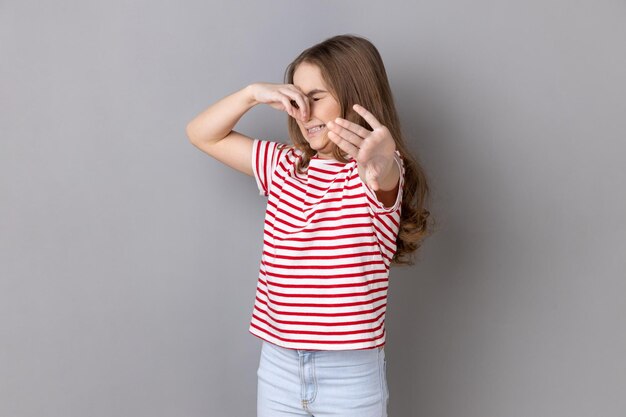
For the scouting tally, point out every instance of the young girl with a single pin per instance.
(345, 201)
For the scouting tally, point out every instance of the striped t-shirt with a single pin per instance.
(327, 247)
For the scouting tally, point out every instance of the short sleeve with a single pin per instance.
(375, 204)
(265, 157)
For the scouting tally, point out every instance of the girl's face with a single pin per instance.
(323, 108)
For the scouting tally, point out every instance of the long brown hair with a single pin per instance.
(353, 71)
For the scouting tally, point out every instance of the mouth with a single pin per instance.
(315, 130)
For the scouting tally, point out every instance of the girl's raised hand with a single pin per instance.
(282, 97)
(373, 150)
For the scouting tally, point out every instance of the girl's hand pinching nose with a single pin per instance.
(302, 112)
(284, 97)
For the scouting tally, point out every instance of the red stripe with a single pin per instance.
(321, 257)
(311, 323)
(316, 314)
(338, 295)
(318, 276)
(323, 219)
(259, 144)
(314, 213)
(295, 197)
(293, 215)
(298, 331)
(319, 229)
(339, 189)
(312, 266)
(342, 207)
(266, 165)
(340, 218)
(345, 169)
(334, 247)
(338, 199)
(385, 225)
(322, 305)
(294, 207)
(383, 234)
(336, 237)
(344, 285)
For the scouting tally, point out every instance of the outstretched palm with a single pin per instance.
(373, 150)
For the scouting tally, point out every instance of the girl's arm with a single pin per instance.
(211, 131)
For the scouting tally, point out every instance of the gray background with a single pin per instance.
(128, 258)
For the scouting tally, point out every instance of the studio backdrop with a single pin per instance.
(129, 259)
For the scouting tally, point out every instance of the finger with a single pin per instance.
(292, 96)
(346, 134)
(305, 99)
(297, 99)
(302, 111)
(355, 127)
(369, 117)
(346, 146)
(302, 108)
(287, 104)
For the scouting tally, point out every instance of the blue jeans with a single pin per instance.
(320, 383)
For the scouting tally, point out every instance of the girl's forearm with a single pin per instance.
(219, 119)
